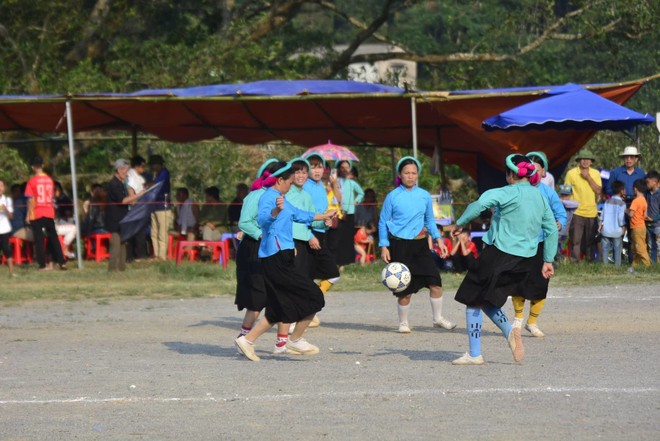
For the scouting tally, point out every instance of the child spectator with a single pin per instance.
(613, 223)
(362, 239)
(653, 214)
(637, 213)
(463, 252)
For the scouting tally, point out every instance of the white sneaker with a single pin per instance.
(444, 324)
(515, 343)
(302, 347)
(315, 323)
(534, 330)
(517, 323)
(246, 348)
(278, 350)
(404, 328)
(468, 360)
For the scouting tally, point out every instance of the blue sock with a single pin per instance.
(499, 318)
(473, 319)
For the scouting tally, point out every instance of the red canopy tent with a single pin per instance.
(307, 113)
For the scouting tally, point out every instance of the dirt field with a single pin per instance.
(166, 370)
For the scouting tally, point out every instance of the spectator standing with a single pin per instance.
(136, 248)
(19, 228)
(586, 184)
(40, 190)
(627, 173)
(161, 218)
(613, 224)
(6, 214)
(351, 195)
(653, 215)
(638, 214)
(118, 198)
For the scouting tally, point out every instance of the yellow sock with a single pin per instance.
(518, 306)
(325, 286)
(535, 310)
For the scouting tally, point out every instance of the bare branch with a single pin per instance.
(345, 57)
(355, 22)
(548, 34)
(97, 17)
(280, 14)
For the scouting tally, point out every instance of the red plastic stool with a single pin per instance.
(101, 246)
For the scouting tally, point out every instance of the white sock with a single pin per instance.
(436, 308)
(403, 312)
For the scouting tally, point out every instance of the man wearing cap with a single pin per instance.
(41, 215)
(628, 173)
(117, 197)
(161, 217)
(586, 185)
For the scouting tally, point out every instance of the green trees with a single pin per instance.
(125, 45)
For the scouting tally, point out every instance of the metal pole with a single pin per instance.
(74, 184)
(413, 112)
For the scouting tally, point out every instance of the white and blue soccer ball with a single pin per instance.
(396, 277)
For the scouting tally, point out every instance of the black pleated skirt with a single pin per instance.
(290, 294)
(496, 276)
(416, 255)
(250, 287)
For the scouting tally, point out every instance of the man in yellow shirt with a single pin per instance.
(587, 185)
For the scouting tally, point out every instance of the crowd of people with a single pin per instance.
(302, 222)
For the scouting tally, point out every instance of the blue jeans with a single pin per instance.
(612, 243)
(654, 242)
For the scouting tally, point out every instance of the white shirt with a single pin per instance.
(549, 180)
(5, 224)
(135, 181)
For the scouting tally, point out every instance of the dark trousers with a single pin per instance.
(581, 234)
(39, 227)
(136, 247)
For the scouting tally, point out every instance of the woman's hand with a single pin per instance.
(385, 254)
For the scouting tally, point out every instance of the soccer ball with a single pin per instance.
(396, 277)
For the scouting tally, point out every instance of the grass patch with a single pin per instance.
(194, 280)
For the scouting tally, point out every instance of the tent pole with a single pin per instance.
(413, 112)
(74, 184)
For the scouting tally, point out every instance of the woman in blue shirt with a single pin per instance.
(291, 297)
(405, 220)
(521, 212)
(250, 288)
(536, 286)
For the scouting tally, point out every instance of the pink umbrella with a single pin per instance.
(332, 152)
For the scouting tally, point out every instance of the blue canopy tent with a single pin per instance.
(568, 107)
